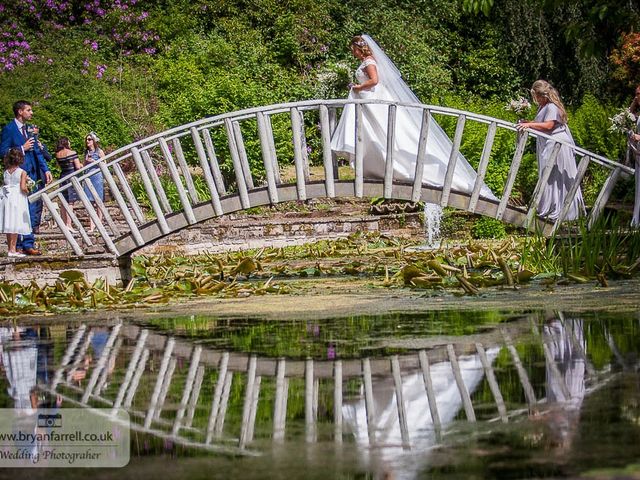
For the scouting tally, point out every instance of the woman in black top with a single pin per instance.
(69, 162)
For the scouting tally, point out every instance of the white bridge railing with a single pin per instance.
(183, 176)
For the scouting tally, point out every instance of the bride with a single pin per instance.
(379, 79)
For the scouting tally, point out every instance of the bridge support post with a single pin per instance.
(124, 266)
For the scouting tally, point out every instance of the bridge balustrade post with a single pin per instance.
(184, 167)
(151, 194)
(422, 155)
(213, 162)
(482, 166)
(155, 179)
(208, 176)
(327, 155)
(298, 157)
(267, 159)
(571, 194)
(513, 172)
(603, 196)
(453, 160)
(359, 162)
(237, 165)
(391, 138)
(542, 184)
(175, 176)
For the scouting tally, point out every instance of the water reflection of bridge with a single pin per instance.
(168, 382)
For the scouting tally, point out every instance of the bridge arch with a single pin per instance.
(184, 163)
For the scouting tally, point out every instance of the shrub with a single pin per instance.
(487, 227)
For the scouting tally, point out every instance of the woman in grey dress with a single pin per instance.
(552, 120)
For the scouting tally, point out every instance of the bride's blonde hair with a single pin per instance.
(361, 44)
(542, 88)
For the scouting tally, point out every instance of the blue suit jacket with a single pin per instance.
(35, 163)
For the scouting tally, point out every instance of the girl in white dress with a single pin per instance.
(552, 120)
(14, 206)
(379, 79)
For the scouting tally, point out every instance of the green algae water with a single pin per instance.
(473, 394)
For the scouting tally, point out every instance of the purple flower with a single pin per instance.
(94, 45)
(50, 61)
(331, 351)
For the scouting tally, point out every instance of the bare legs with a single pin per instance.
(92, 227)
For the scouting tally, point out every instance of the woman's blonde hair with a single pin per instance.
(543, 89)
(361, 44)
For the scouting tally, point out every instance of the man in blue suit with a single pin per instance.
(18, 133)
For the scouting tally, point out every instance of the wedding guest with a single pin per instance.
(14, 206)
(552, 120)
(634, 143)
(18, 133)
(69, 162)
(93, 154)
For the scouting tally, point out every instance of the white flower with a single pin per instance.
(623, 122)
(519, 106)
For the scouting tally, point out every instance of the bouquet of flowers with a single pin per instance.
(623, 122)
(520, 106)
(31, 184)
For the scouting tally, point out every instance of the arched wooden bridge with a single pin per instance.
(189, 162)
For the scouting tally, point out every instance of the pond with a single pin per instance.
(435, 394)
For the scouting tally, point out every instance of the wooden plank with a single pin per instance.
(213, 162)
(267, 160)
(151, 194)
(453, 160)
(61, 225)
(124, 208)
(155, 180)
(68, 354)
(327, 157)
(186, 173)
(421, 156)
(136, 379)
(309, 418)
(195, 394)
(279, 405)
(368, 400)
(513, 172)
(254, 409)
(272, 148)
(80, 356)
(94, 217)
(522, 373)
(237, 165)
(126, 188)
(208, 176)
(248, 400)
(391, 138)
(541, 185)
(102, 208)
(462, 388)
(603, 196)
(217, 394)
(573, 189)
(177, 180)
(337, 401)
(242, 153)
(402, 413)
(428, 385)
(164, 365)
(102, 361)
(482, 166)
(223, 404)
(298, 158)
(493, 383)
(102, 381)
(166, 383)
(359, 161)
(74, 219)
(191, 377)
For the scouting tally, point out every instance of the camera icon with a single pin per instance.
(50, 421)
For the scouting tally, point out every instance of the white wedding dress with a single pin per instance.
(391, 87)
